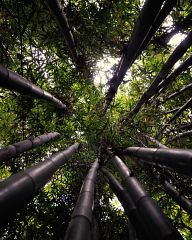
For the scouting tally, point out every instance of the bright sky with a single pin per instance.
(103, 67)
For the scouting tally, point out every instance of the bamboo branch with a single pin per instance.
(10, 151)
(175, 195)
(183, 67)
(15, 82)
(172, 110)
(153, 140)
(185, 126)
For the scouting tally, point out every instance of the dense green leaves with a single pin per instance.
(32, 45)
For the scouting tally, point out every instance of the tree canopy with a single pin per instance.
(141, 97)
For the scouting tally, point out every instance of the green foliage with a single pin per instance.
(31, 44)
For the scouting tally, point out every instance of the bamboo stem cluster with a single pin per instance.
(156, 225)
(151, 17)
(20, 188)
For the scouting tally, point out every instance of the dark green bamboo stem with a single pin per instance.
(128, 205)
(15, 82)
(172, 110)
(178, 92)
(59, 16)
(17, 190)
(170, 189)
(157, 223)
(153, 140)
(187, 105)
(180, 136)
(10, 151)
(165, 10)
(179, 160)
(141, 29)
(182, 68)
(81, 220)
(174, 194)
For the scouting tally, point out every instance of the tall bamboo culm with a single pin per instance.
(81, 220)
(10, 151)
(17, 190)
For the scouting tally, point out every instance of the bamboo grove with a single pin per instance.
(82, 159)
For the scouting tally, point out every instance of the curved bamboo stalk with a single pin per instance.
(20, 188)
(174, 57)
(10, 151)
(15, 82)
(154, 219)
(178, 92)
(181, 135)
(153, 140)
(142, 27)
(177, 197)
(182, 67)
(179, 112)
(170, 190)
(81, 220)
(128, 205)
(165, 10)
(59, 16)
(179, 160)
(172, 110)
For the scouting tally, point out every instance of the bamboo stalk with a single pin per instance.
(15, 82)
(10, 151)
(178, 92)
(179, 160)
(154, 219)
(59, 16)
(155, 141)
(181, 135)
(183, 67)
(179, 112)
(128, 205)
(17, 190)
(177, 197)
(81, 220)
(170, 190)
(172, 110)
